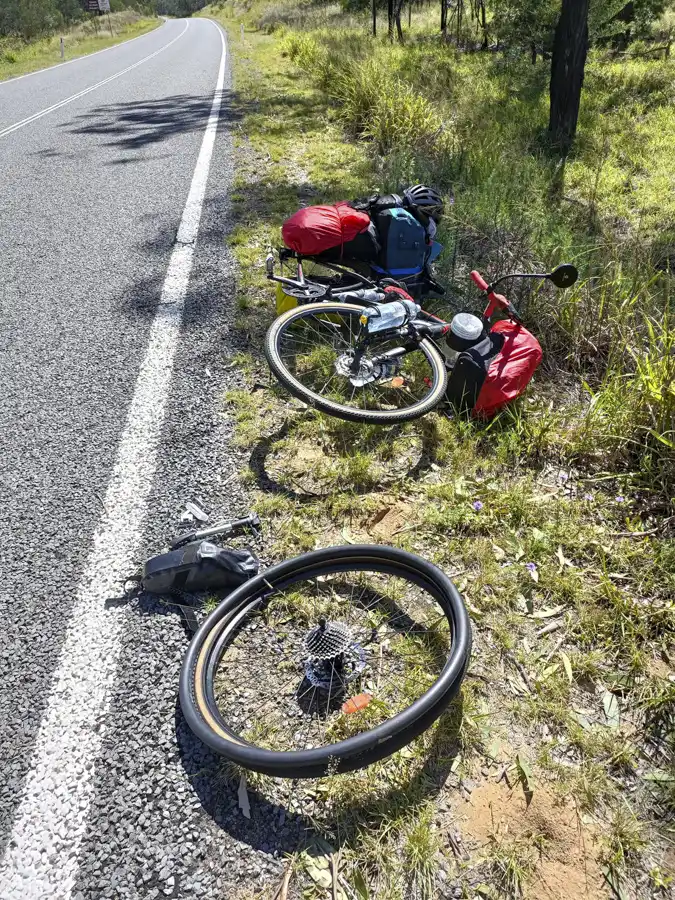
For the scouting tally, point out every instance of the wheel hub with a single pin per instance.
(369, 371)
(333, 658)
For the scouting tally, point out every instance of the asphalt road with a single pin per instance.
(91, 196)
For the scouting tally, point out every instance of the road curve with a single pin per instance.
(98, 159)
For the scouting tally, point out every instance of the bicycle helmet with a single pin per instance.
(424, 202)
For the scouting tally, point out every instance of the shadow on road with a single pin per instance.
(134, 125)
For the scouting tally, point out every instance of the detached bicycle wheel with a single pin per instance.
(311, 350)
(327, 662)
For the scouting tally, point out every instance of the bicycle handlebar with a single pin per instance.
(494, 300)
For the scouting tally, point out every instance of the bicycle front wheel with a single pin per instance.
(311, 350)
(328, 662)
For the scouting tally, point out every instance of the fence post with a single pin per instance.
(62, 49)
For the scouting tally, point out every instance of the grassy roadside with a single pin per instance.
(19, 58)
(552, 776)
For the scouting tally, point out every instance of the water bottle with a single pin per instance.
(389, 315)
(465, 331)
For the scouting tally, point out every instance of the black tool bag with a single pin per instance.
(198, 566)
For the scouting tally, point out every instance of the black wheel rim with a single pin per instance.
(357, 742)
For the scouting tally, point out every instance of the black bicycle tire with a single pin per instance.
(366, 747)
(335, 409)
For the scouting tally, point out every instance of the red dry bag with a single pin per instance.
(337, 231)
(510, 370)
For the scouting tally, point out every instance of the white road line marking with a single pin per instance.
(44, 112)
(75, 59)
(41, 860)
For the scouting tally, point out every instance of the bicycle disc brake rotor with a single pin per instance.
(308, 293)
(369, 371)
(334, 658)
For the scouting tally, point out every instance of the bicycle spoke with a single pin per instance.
(385, 661)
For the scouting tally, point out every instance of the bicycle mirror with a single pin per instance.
(563, 276)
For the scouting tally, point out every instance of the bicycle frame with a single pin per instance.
(301, 282)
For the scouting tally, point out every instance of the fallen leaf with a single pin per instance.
(581, 719)
(568, 666)
(539, 535)
(659, 777)
(611, 705)
(347, 537)
(522, 603)
(534, 575)
(548, 613)
(242, 794)
(318, 872)
(484, 890)
(460, 488)
(549, 670)
(498, 552)
(519, 687)
(564, 561)
(455, 763)
(494, 751)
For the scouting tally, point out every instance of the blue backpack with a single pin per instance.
(404, 244)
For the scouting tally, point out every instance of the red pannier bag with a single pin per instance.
(510, 370)
(326, 230)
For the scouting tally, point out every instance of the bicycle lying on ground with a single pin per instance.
(340, 356)
(327, 662)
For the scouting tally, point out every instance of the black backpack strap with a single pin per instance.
(364, 204)
(189, 617)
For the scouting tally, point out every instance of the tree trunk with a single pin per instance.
(398, 9)
(570, 47)
(483, 25)
(444, 18)
(390, 18)
(374, 18)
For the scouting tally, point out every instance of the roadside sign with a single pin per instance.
(98, 6)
